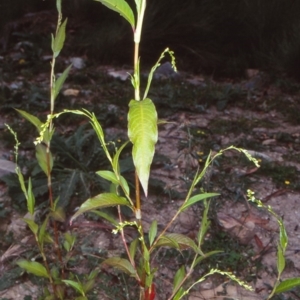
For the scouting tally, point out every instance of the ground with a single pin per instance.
(258, 113)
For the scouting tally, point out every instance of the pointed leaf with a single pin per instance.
(180, 274)
(125, 185)
(115, 161)
(204, 224)
(287, 284)
(280, 259)
(42, 231)
(179, 294)
(32, 225)
(22, 182)
(30, 197)
(152, 232)
(106, 217)
(87, 286)
(32, 119)
(133, 247)
(108, 175)
(75, 285)
(283, 238)
(100, 201)
(58, 6)
(42, 157)
(172, 239)
(33, 267)
(142, 132)
(196, 199)
(200, 258)
(59, 39)
(61, 80)
(122, 8)
(58, 214)
(122, 264)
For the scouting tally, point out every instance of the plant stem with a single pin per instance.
(138, 213)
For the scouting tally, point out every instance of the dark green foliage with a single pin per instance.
(219, 37)
(77, 158)
(8, 279)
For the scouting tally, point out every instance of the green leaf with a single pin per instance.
(58, 6)
(32, 119)
(152, 232)
(179, 294)
(108, 175)
(125, 185)
(32, 225)
(196, 199)
(115, 161)
(61, 80)
(22, 182)
(42, 157)
(122, 264)
(87, 286)
(204, 224)
(280, 259)
(42, 232)
(122, 8)
(30, 197)
(180, 274)
(283, 238)
(59, 39)
(133, 247)
(142, 132)
(100, 201)
(173, 239)
(75, 285)
(58, 214)
(287, 284)
(33, 267)
(200, 258)
(106, 217)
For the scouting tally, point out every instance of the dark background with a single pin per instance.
(215, 37)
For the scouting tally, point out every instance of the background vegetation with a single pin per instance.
(216, 37)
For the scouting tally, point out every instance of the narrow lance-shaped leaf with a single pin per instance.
(283, 238)
(32, 225)
(58, 6)
(100, 201)
(178, 278)
(37, 123)
(76, 285)
(122, 264)
(206, 255)
(121, 7)
(196, 199)
(61, 80)
(108, 175)
(280, 259)
(142, 132)
(44, 159)
(32, 119)
(152, 232)
(115, 161)
(133, 247)
(59, 39)
(204, 224)
(287, 285)
(30, 197)
(183, 242)
(33, 267)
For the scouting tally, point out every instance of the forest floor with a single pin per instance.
(257, 113)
